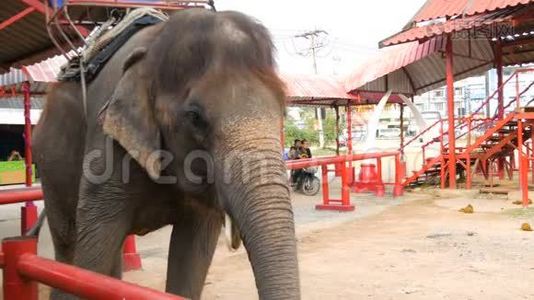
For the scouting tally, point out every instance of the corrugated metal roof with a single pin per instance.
(502, 17)
(434, 9)
(37, 102)
(313, 87)
(414, 68)
(39, 75)
(47, 70)
(318, 90)
(26, 40)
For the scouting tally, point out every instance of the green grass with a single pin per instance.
(11, 165)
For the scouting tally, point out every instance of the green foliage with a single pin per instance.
(308, 132)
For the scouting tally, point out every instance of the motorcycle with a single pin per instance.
(307, 182)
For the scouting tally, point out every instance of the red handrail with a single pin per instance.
(420, 134)
(81, 282)
(484, 103)
(20, 195)
(23, 269)
(312, 162)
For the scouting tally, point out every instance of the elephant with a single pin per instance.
(180, 127)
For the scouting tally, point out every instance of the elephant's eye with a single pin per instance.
(195, 116)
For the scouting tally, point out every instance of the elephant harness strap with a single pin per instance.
(103, 43)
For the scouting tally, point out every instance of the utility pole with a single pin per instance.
(315, 46)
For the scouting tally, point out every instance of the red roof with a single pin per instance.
(434, 9)
(388, 60)
(308, 87)
(451, 26)
(327, 91)
(412, 68)
(45, 71)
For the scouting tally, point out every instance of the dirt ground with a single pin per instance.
(422, 248)
(415, 247)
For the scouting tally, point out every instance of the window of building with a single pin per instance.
(438, 93)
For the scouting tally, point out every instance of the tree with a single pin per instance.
(309, 132)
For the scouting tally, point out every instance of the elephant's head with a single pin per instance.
(206, 91)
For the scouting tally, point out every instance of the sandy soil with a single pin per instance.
(421, 249)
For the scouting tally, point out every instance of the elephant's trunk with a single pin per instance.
(257, 197)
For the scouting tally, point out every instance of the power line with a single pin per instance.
(318, 41)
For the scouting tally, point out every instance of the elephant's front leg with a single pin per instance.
(193, 243)
(103, 221)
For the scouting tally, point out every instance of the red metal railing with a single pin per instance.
(485, 103)
(23, 269)
(132, 260)
(343, 204)
(467, 122)
(20, 195)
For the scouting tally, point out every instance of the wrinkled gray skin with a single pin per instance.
(202, 80)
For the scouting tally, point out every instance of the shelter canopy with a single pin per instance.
(414, 68)
(434, 9)
(412, 61)
(23, 24)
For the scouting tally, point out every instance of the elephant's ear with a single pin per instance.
(129, 117)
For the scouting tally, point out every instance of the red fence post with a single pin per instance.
(380, 189)
(16, 287)
(399, 174)
(345, 188)
(131, 259)
(28, 217)
(324, 181)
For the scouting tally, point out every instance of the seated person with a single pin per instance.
(14, 155)
(292, 152)
(306, 152)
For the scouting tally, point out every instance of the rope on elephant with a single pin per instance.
(108, 32)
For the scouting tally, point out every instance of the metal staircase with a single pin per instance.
(487, 141)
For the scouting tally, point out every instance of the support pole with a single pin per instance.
(336, 109)
(442, 160)
(468, 179)
(402, 128)
(523, 164)
(349, 143)
(349, 129)
(29, 210)
(27, 133)
(450, 112)
(15, 286)
(499, 69)
(531, 157)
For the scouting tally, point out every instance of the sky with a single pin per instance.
(354, 29)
